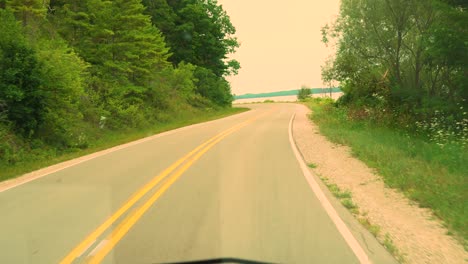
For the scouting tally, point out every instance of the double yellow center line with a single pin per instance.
(180, 166)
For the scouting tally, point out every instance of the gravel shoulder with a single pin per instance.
(415, 231)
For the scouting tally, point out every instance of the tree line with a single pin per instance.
(70, 67)
(402, 61)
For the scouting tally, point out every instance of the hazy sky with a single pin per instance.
(281, 46)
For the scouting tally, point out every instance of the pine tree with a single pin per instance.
(71, 19)
(116, 37)
(122, 43)
(28, 10)
(136, 42)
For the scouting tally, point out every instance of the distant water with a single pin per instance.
(289, 98)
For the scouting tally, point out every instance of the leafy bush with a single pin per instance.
(215, 88)
(304, 93)
(62, 74)
(20, 78)
(442, 128)
(182, 80)
(432, 175)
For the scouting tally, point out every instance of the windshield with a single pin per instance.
(223, 131)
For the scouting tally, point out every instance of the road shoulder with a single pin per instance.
(418, 236)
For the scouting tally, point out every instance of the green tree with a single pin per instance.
(182, 81)
(213, 87)
(408, 56)
(20, 78)
(447, 52)
(204, 36)
(199, 33)
(72, 20)
(304, 93)
(115, 37)
(124, 49)
(123, 43)
(28, 10)
(63, 76)
(162, 16)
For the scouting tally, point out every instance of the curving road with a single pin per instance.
(230, 188)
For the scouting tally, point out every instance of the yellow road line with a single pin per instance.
(131, 220)
(91, 238)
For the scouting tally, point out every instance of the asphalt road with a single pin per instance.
(230, 188)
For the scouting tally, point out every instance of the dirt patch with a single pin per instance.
(418, 235)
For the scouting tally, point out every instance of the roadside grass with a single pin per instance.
(390, 246)
(312, 165)
(346, 199)
(433, 176)
(40, 158)
(374, 229)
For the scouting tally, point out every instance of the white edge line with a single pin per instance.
(30, 176)
(340, 225)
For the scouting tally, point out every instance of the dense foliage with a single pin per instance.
(70, 70)
(435, 177)
(402, 61)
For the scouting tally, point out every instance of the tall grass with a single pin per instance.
(435, 176)
(29, 157)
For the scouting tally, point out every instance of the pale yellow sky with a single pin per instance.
(281, 46)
